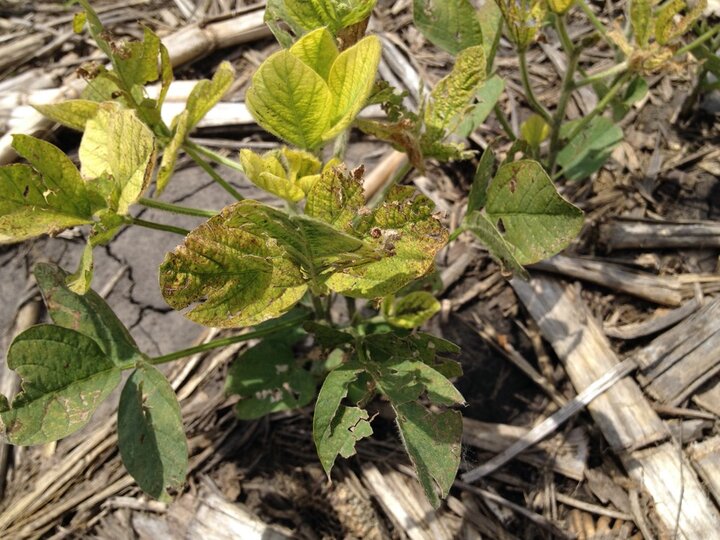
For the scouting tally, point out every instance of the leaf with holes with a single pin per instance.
(65, 376)
(151, 437)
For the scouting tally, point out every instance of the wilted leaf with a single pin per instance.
(337, 427)
(151, 437)
(411, 310)
(117, 155)
(537, 221)
(269, 378)
(65, 376)
(88, 314)
(207, 93)
(73, 113)
(589, 149)
(487, 96)
(452, 25)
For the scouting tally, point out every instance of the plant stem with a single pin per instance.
(529, 94)
(197, 158)
(318, 307)
(600, 107)
(699, 41)
(457, 232)
(158, 226)
(563, 35)
(615, 70)
(559, 116)
(214, 156)
(507, 128)
(595, 21)
(176, 209)
(224, 342)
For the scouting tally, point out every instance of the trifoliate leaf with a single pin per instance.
(151, 437)
(588, 151)
(207, 93)
(117, 155)
(452, 25)
(65, 376)
(537, 221)
(269, 378)
(73, 113)
(411, 310)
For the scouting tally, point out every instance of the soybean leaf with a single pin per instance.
(86, 313)
(286, 173)
(136, 62)
(487, 96)
(411, 310)
(337, 427)
(537, 221)
(432, 441)
(481, 180)
(453, 94)
(45, 198)
(452, 25)
(151, 437)
(588, 151)
(269, 378)
(336, 198)
(317, 50)
(170, 153)
(80, 280)
(207, 93)
(534, 130)
(350, 82)
(491, 20)
(492, 238)
(290, 100)
(65, 375)
(327, 336)
(303, 15)
(73, 113)
(641, 18)
(117, 155)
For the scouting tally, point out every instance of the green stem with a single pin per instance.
(176, 209)
(214, 156)
(699, 41)
(615, 70)
(507, 128)
(204, 165)
(224, 342)
(318, 307)
(529, 94)
(563, 35)
(457, 232)
(559, 116)
(341, 144)
(600, 107)
(595, 21)
(158, 226)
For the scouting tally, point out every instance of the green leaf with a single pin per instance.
(170, 154)
(487, 96)
(269, 378)
(481, 180)
(117, 154)
(641, 18)
(284, 172)
(452, 25)
(206, 94)
(433, 443)
(327, 336)
(151, 437)
(136, 62)
(305, 15)
(350, 83)
(317, 50)
(411, 310)
(73, 113)
(453, 94)
(44, 199)
(491, 22)
(290, 100)
(87, 314)
(65, 376)
(534, 130)
(537, 221)
(588, 151)
(492, 238)
(337, 427)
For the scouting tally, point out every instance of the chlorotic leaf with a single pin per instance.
(537, 221)
(560, 6)
(80, 280)
(117, 155)
(317, 50)
(486, 96)
(73, 113)
(336, 198)
(65, 376)
(290, 100)
(281, 172)
(170, 154)
(350, 83)
(207, 93)
(337, 427)
(534, 130)
(87, 314)
(269, 378)
(151, 437)
(453, 94)
(452, 25)
(588, 151)
(433, 443)
(411, 310)
(136, 62)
